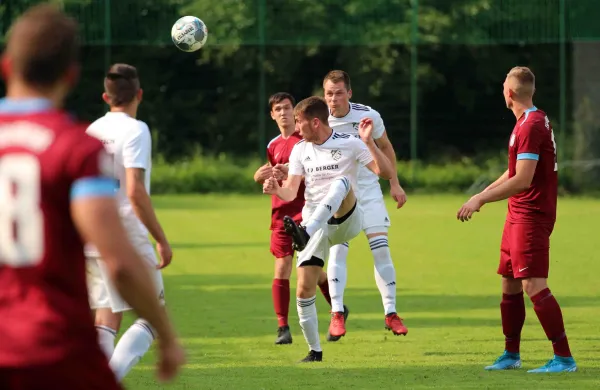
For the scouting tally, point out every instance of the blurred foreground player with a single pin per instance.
(278, 156)
(54, 194)
(530, 184)
(329, 163)
(129, 144)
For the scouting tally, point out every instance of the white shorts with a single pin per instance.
(337, 231)
(102, 294)
(376, 218)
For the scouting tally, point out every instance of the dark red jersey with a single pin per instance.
(278, 152)
(533, 139)
(46, 159)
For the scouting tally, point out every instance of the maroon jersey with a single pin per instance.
(533, 139)
(278, 152)
(44, 310)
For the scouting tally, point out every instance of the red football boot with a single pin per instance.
(394, 323)
(337, 326)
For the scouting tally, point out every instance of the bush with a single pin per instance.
(224, 175)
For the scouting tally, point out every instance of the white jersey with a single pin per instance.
(128, 142)
(349, 125)
(341, 155)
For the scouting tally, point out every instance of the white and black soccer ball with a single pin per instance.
(189, 34)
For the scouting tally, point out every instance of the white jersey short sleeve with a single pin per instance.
(137, 148)
(349, 125)
(295, 163)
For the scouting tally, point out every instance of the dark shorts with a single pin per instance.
(525, 250)
(281, 243)
(90, 372)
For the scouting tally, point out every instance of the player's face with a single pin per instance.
(337, 97)
(283, 113)
(306, 128)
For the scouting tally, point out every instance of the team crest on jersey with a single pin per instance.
(336, 154)
(512, 140)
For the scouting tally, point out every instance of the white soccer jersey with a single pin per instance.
(349, 125)
(340, 155)
(129, 143)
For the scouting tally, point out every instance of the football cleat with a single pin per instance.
(299, 235)
(394, 323)
(557, 364)
(313, 356)
(330, 337)
(283, 335)
(506, 361)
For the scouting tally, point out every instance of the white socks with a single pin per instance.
(329, 205)
(385, 274)
(134, 343)
(106, 339)
(307, 313)
(337, 273)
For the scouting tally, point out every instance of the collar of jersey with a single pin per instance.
(24, 106)
(532, 109)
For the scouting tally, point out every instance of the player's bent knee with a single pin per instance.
(105, 317)
(308, 277)
(283, 267)
(511, 286)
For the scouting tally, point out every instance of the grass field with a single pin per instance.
(219, 294)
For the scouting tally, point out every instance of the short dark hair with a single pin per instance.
(42, 44)
(336, 76)
(279, 97)
(313, 107)
(121, 84)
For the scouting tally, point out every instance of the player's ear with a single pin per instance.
(272, 114)
(140, 95)
(349, 94)
(106, 98)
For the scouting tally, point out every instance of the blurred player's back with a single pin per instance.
(43, 289)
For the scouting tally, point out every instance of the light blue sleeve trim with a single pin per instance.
(528, 156)
(93, 187)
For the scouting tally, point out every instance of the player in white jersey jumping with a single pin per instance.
(329, 163)
(128, 141)
(345, 118)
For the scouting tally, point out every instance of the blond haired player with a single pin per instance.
(345, 117)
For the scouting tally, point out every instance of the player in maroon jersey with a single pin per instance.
(530, 185)
(54, 194)
(278, 155)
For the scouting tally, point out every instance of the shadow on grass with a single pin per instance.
(220, 306)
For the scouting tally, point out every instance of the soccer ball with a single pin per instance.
(189, 33)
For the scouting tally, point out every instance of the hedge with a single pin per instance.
(224, 175)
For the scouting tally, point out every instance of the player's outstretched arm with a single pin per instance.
(98, 222)
(142, 206)
(263, 173)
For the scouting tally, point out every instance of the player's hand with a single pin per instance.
(398, 195)
(468, 209)
(171, 357)
(270, 186)
(264, 172)
(165, 254)
(365, 129)
(280, 171)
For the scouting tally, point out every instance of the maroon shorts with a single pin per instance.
(281, 243)
(90, 372)
(525, 250)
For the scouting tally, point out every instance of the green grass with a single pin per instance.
(219, 293)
